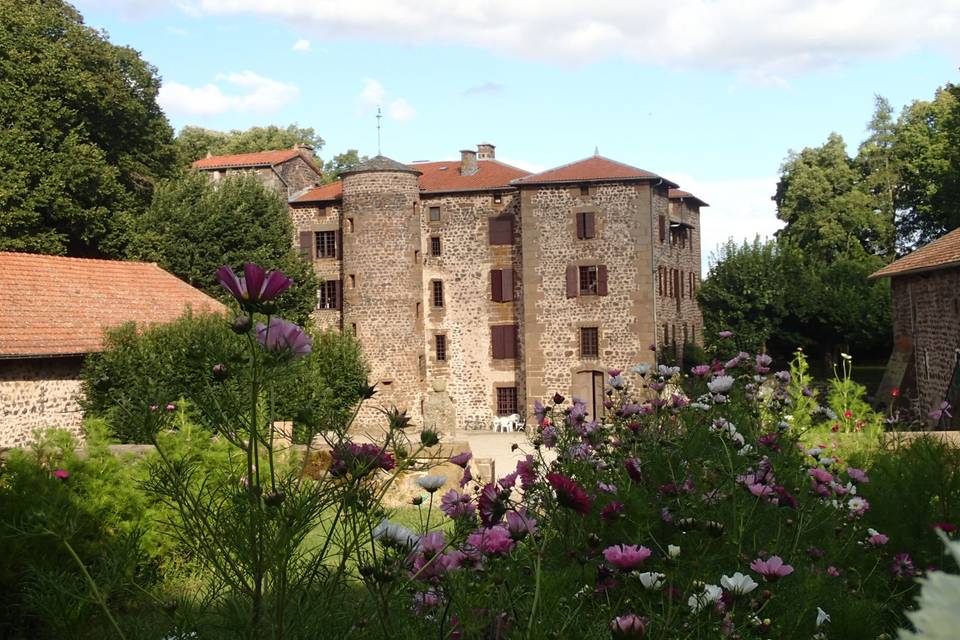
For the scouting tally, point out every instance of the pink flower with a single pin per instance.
(760, 490)
(633, 469)
(423, 601)
(491, 505)
(526, 471)
(282, 336)
(626, 557)
(493, 541)
(520, 524)
(942, 410)
(61, 474)
(359, 460)
(877, 539)
(772, 569)
(628, 627)
(857, 475)
(701, 370)
(467, 477)
(431, 544)
(833, 572)
(612, 511)
(820, 475)
(462, 459)
(569, 493)
(457, 505)
(902, 566)
(255, 285)
(726, 333)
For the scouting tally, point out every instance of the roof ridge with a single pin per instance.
(79, 258)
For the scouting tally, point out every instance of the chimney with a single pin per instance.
(303, 146)
(485, 151)
(468, 162)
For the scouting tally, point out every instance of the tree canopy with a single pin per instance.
(193, 227)
(82, 140)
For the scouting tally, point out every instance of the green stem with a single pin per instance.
(93, 587)
(536, 593)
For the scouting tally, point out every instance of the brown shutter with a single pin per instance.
(496, 285)
(588, 224)
(581, 226)
(496, 339)
(602, 280)
(663, 229)
(338, 300)
(511, 340)
(501, 230)
(340, 244)
(681, 283)
(506, 290)
(306, 245)
(572, 281)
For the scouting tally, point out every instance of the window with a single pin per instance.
(326, 244)
(435, 246)
(328, 295)
(434, 214)
(506, 401)
(585, 225)
(440, 342)
(353, 281)
(504, 341)
(349, 225)
(587, 280)
(584, 190)
(589, 342)
(353, 329)
(501, 230)
(306, 245)
(416, 256)
(437, 293)
(663, 229)
(501, 285)
(497, 198)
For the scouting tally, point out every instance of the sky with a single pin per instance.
(712, 94)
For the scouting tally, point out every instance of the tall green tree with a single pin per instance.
(339, 163)
(82, 139)
(193, 227)
(927, 148)
(194, 143)
(880, 169)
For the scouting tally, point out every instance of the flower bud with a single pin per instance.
(242, 325)
(220, 372)
(274, 498)
(429, 437)
(628, 627)
(399, 420)
(558, 399)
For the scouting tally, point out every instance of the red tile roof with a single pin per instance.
(59, 306)
(941, 253)
(323, 193)
(258, 159)
(679, 194)
(594, 168)
(439, 177)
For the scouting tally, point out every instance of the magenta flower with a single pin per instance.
(902, 566)
(526, 471)
(491, 504)
(760, 490)
(431, 544)
(628, 627)
(462, 459)
(424, 601)
(520, 524)
(833, 572)
(701, 370)
(61, 474)
(726, 333)
(772, 569)
(612, 511)
(626, 557)
(857, 475)
(633, 469)
(569, 493)
(493, 541)
(457, 505)
(877, 539)
(359, 459)
(467, 477)
(942, 410)
(255, 286)
(820, 475)
(284, 337)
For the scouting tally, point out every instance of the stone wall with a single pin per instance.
(38, 393)
(382, 258)
(312, 217)
(677, 275)
(926, 310)
(470, 372)
(552, 321)
(297, 175)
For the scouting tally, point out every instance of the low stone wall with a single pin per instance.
(38, 393)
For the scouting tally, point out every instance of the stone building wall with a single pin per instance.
(552, 320)
(382, 259)
(266, 175)
(298, 174)
(313, 217)
(467, 258)
(926, 310)
(38, 393)
(678, 316)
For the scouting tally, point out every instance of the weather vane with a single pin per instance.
(378, 129)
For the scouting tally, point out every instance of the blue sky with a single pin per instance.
(710, 93)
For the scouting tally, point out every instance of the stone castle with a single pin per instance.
(477, 285)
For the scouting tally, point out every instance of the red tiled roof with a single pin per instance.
(445, 176)
(323, 193)
(592, 169)
(941, 253)
(58, 306)
(258, 159)
(679, 194)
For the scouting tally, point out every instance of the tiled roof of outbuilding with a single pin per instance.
(323, 193)
(258, 159)
(60, 306)
(439, 177)
(941, 253)
(679, 194)
(592, 169)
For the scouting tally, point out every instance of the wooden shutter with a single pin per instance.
(501, 230)
(306, 245)
(506, 290)
(581, 226)
(572, 288)
(340, 244)
(663, 229)
(602, 280)
(681, 284)
(588, 224)
(510, 338)
(496, 339)
(496, 285)
(338, 293)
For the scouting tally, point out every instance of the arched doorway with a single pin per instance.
(588, 385)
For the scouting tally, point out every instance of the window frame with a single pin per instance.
(329, 295)
(440, 347)
(508, 401)
(436, 294)
(325, 243)
(584, 332)
(436, 247)
(430, 212)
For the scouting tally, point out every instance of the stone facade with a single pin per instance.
(287, 177)
(926, 315)
(38, 393)
(677, 250)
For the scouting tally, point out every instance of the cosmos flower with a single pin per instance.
(255, 286)
(626, 557)
(738, 583)
(430, 484)
(711, 593)
(462, 459)
(628, 627)
(284, 337)
(569, 493)
(457, 505)
(651, 580)
(720, 384)
(772, 569)
(492, 541)
(520, 524)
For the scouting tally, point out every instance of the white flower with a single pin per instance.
(815, 451)
(667, 372)
(701, 406)
(720, 384)
(827, 461)
(431, 483)
(738, 583)
(846, 356)
(822, 616)
(857, 503)
(937, 617)
(711, 593)
(745, 449)
(392, 533)
(651, 580)
(673, 550)
(641, 369)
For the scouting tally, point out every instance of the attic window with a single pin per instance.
(584, 190)
(497, 198)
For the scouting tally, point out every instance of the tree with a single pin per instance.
(927, 148)
(194, 143)
(193, 227)
(879, 168)
(340, 163)
(82, 140)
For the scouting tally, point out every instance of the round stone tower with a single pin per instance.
(382, 283)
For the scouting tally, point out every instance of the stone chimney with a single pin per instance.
(468, 162)
(485, 151)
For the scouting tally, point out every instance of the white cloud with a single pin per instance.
(401, 110)
(257, 95)
(374, 95)
(301, 45)
(769, 39)
(740, 209)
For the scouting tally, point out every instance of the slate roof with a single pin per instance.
(60, 306)
(680, 194)
(593, 169)
(380, 163)
(942, 253)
